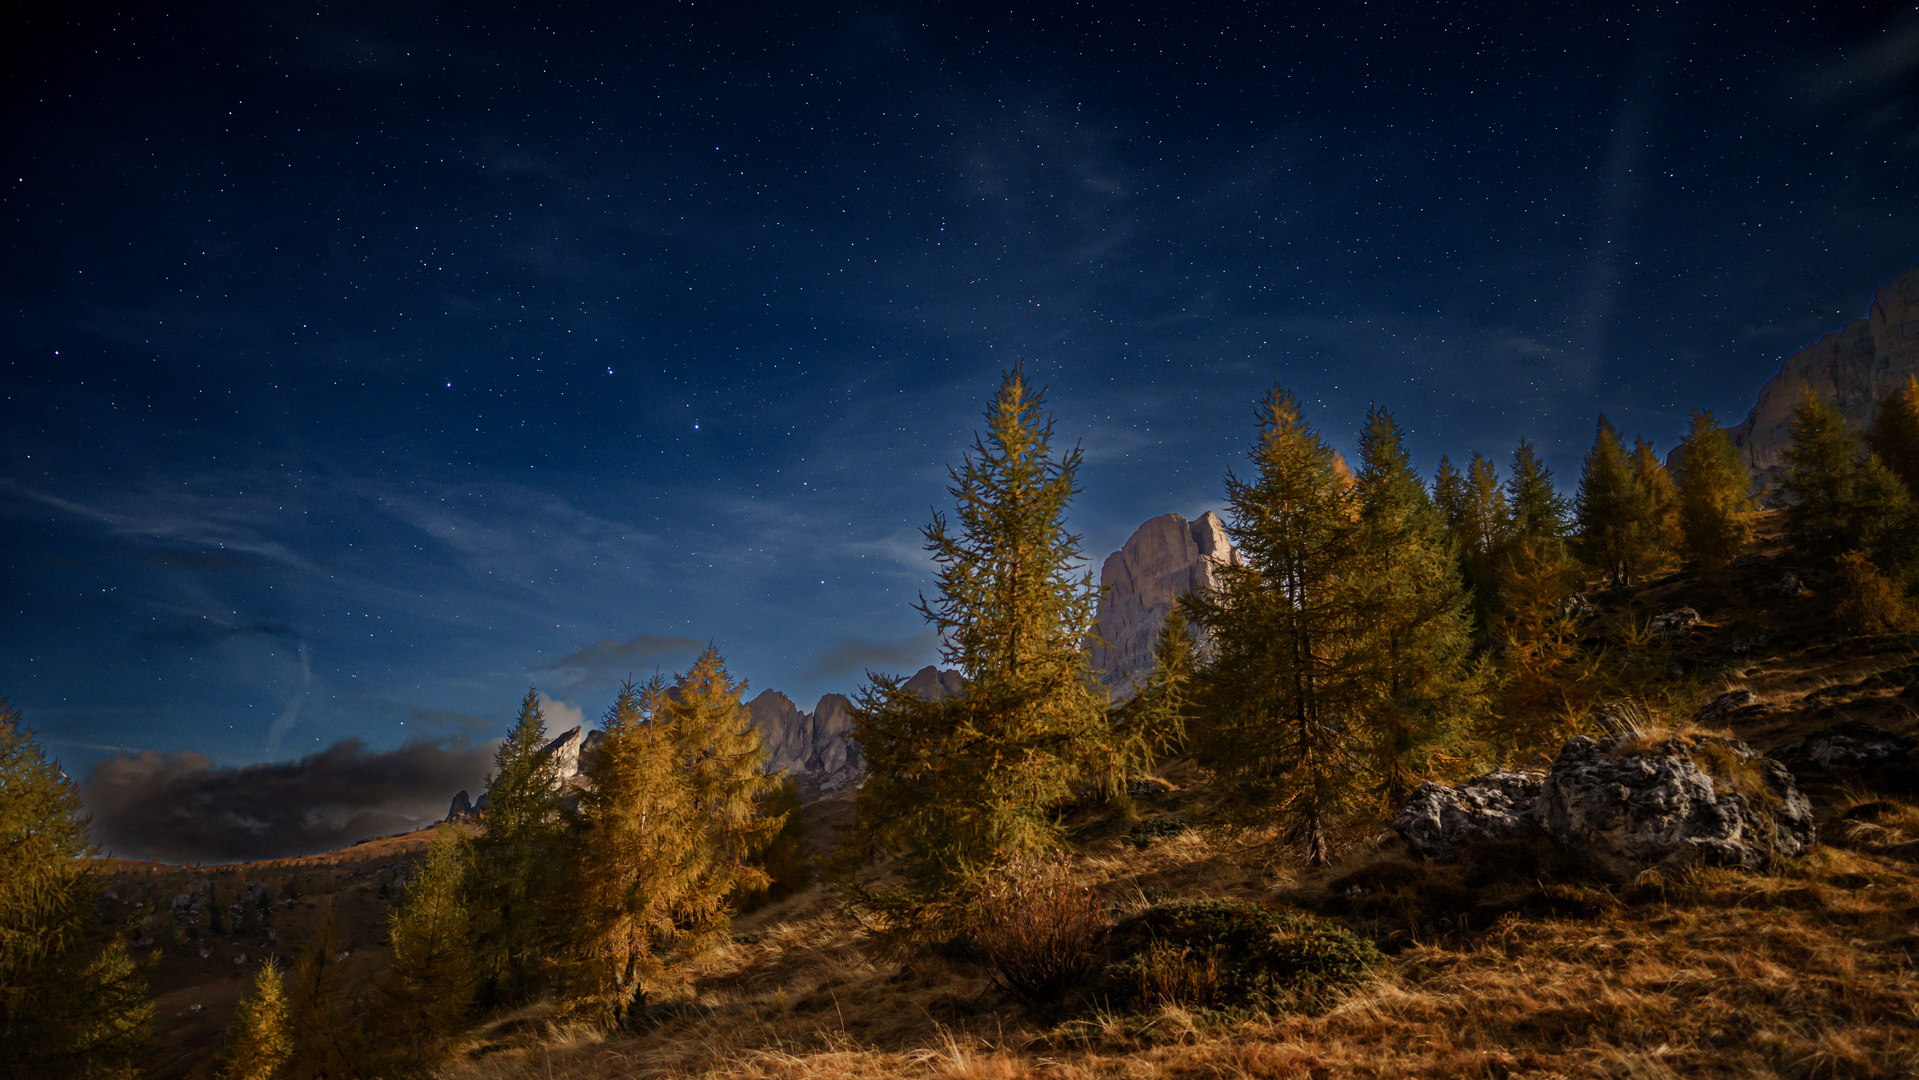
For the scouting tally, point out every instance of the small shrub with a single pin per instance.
(1227, 953)
(1041, 931)
(1869, 601)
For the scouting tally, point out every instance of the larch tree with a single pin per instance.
(638, 853)
(1894, 433)
(720, 754)
(1285, 686)
(1416, 610)
(1537, 510)
(72, 1002)
(1715, 504)
(1655, 532)
(1608, 509)
(513, 865)
(431, 974)
(259, 1042)
(958, 786)
(1840, 499)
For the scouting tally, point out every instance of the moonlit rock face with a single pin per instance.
(933, 684)
(1851, 369)
(786, 732)
(565, 752)
(1165, 559)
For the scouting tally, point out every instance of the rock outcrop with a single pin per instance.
(1437, 820)
(815, 749)
(1848, 746)
(1851, 368)
(461, 809)
(1626, 812)
(1704, 801)
(1164, 559)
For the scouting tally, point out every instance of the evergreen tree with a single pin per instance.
(1655, 529)
(720, 754)
(1715, 509)
(1486, 519)
(1153, 721)
(1839, 499)
(71, 1004)
(329, 1041)
(513, 861)
(1608, 511)
(1538, 511)
(957, 786)
(1417, 613)
(258, 1042)
(1545, 680)
(432, 976)
(1449, 495)
(1285, 686)
(638, 852)
(1894, 434)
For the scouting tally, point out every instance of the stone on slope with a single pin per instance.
(1437, 820)
(1853, 744)
(1164, 559)
(1851, 368)
(1627, 811)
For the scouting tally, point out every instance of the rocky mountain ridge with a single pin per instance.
(1851, 368)
(1165, 558)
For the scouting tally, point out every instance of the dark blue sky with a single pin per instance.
(363, 363)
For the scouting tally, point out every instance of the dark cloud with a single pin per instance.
(605, 662)
(851, 656)
(180, 806)
(197, 633)
(465, 726)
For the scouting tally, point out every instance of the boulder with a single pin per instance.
(1676, 621)
(1438, 819)
(1853, 744)
(1729, 706)
(1164, 559)
(1632, 810)
(1788, 585)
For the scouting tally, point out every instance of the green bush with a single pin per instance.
(1222, 954)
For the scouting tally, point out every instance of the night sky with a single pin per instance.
(363, 364)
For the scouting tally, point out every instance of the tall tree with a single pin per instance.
(957, 786)
(432, 976)
(720, 754)
(1608, 510)
(258, 1041)
(1425, 684)
(1655, 533)
(1894, 434)
(324, 1007)
(1715, 505)
(1285, 686)
(1838, 500)
(638, 853)
(509, 889)
(72, 1003)
(1537, 509)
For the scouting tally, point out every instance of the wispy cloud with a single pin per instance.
(850, 656)
(605, 662)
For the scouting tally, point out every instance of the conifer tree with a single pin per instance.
(1894, 434)
(1715, 509)
(1538, 511)
(1840, 499)
(1545, 681)
(258, 1040)
(1486, 521)
(513, 861)
(1608, 510)
(71, 1004)
(1449, 495)
(1286, 683)
(1153, 721)
(329, 1041)
(1655, 529)
(431, 976)
(957, 786)
(638, 852)
(1416, 612)
(720, 753)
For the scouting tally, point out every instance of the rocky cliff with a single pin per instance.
(1852, 368)
(1165, 559)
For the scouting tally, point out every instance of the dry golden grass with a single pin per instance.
(1806, 972)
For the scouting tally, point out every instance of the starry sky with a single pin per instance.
(362, 364)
